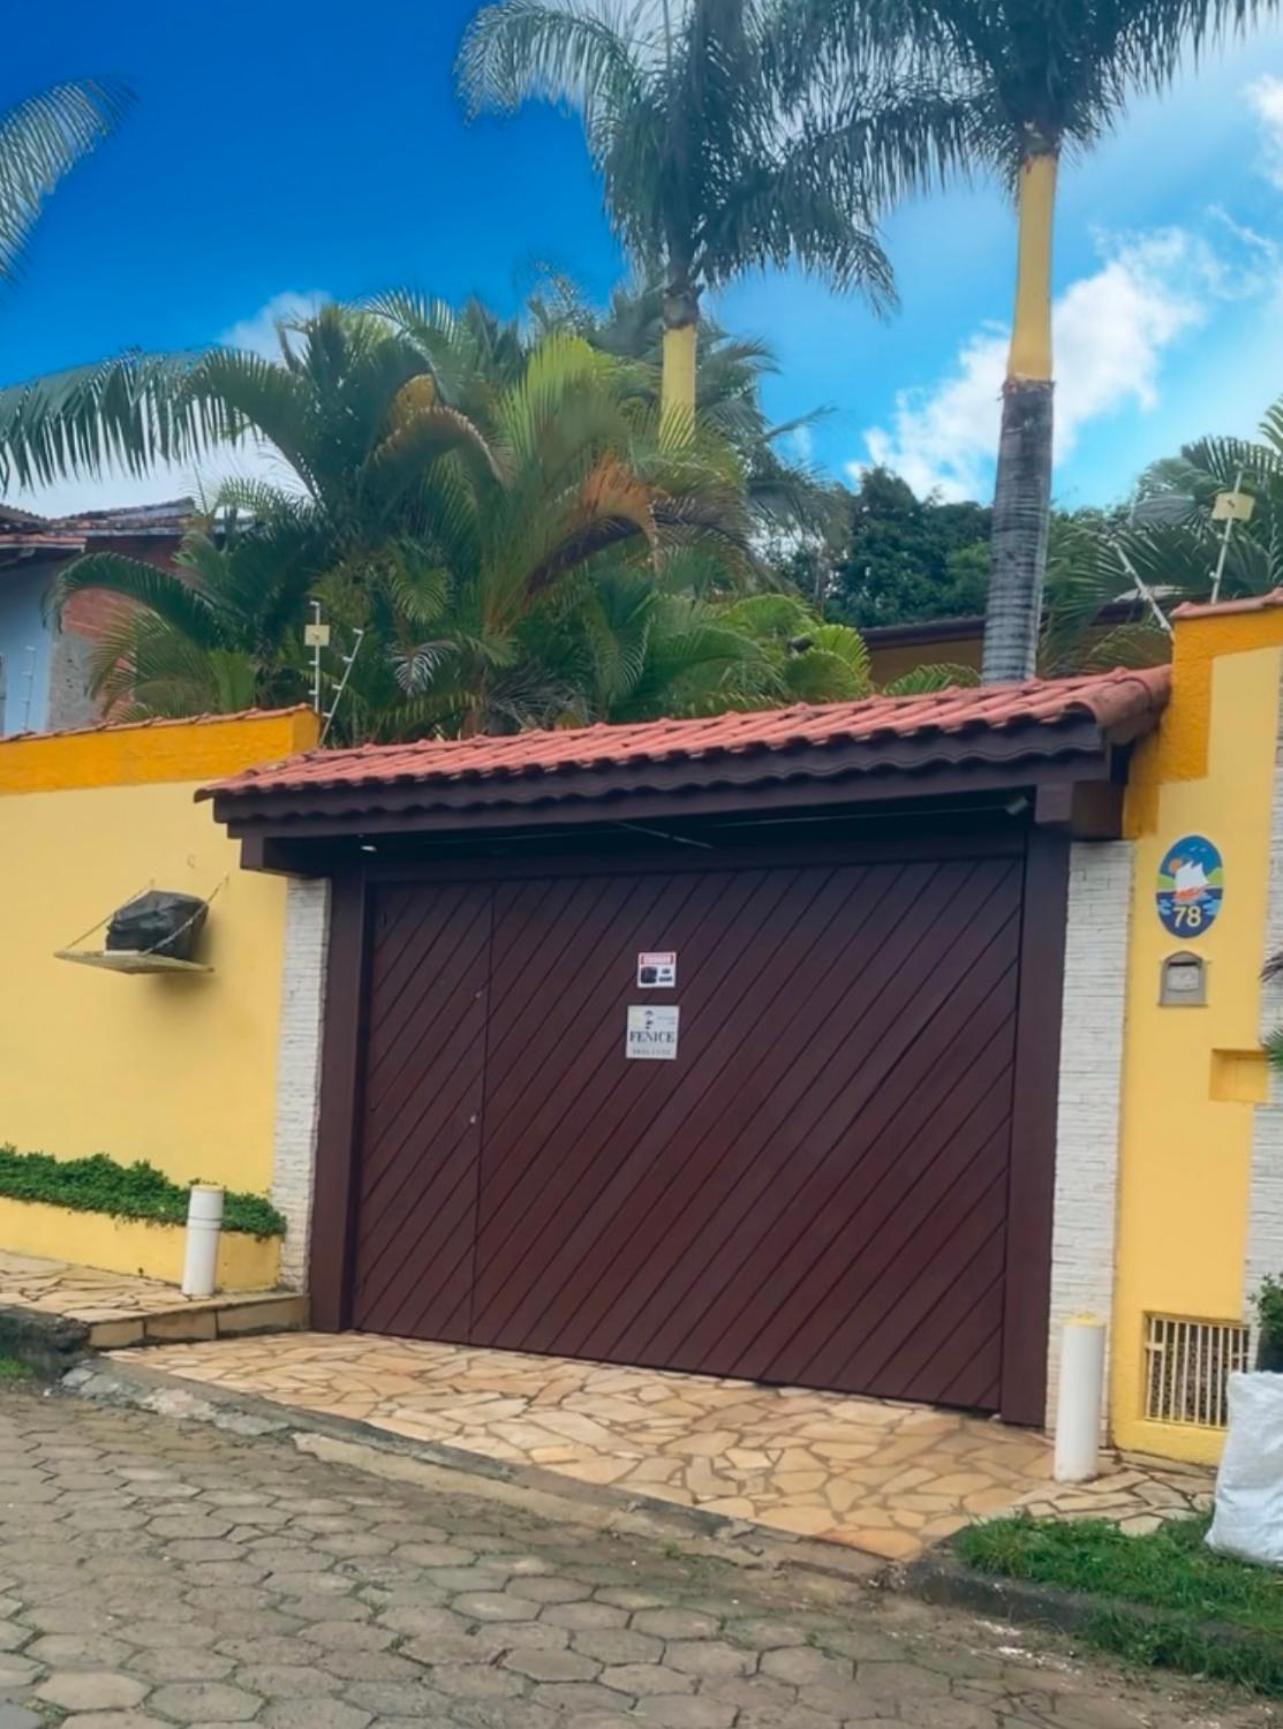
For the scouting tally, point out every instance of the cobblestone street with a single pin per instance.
(153, 1573)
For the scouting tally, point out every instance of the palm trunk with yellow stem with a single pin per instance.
(680, 360)
(1022, 495)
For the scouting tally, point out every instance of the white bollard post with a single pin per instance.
(1082, 1380)
(204, 1223)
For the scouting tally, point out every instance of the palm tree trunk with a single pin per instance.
(1022, 497)
(680, 357)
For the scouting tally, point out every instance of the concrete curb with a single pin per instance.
(49, 1344)
(453, 1470)
(942, 1579)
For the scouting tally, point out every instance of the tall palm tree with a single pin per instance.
(708, 169)
(786, 495)
(1023, 81)
(126, 410)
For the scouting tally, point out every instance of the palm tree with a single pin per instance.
(458, 540)
(541, 556)
(1021, 82)
(786, 495)
(218, 634)
(127, 410)
(1171, 545)
(708, 171)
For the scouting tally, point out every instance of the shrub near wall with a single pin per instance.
(139, 1191)
(127, 1219)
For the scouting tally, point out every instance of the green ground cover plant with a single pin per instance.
(100, 1184)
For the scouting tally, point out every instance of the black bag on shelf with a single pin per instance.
(158, 923)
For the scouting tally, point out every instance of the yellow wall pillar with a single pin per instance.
(1192, 1075)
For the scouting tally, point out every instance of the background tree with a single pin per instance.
(540, 556)
(707, 169)
(1020, 82)
(904, 559)
(124, 410)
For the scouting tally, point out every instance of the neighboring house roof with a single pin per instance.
(155, 723)
(22, 531)
(1249, 603)
(996, 726)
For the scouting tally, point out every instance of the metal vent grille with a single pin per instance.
(1188, 1366)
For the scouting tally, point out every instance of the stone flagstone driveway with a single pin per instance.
(883, 1478)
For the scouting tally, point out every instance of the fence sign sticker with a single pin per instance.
(1191, 886)
(652, 1031)
(658, 971)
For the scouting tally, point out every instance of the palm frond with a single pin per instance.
(41, 140)
(568, 52)
(182, 606)
(926, 680)
(131, 412)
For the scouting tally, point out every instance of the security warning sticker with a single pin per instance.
(657, 971)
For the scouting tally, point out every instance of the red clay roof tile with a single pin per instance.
(1249, 603)
(1126, 700)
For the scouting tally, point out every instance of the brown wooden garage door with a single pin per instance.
(813, 1192)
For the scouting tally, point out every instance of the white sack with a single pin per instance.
(1248, 1521)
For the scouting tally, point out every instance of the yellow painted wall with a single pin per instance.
(1190, 1074)
(179, 1070)
(127, 1245)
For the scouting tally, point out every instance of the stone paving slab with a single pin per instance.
(123, 1309)
(887, 1479)
(158, 1574)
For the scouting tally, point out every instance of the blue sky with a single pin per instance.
(277, 153)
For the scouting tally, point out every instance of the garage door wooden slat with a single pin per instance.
(906, 1122)
(814, 1191)
(439, 1156)
(531, 1092)
(740, 1126)
(622, 1117)
(818, 1315)
(781, 1204)
(400, 939)
(643, 1264)
(892, 1223)
(426, 1004)
(933, 1355)
(604, 1096)
(414, 1118)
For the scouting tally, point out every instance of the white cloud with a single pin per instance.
(199, 480)
(942, 440)
(1265, 95)
(1112, 330)
(260, 332)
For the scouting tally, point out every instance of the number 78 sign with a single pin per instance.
(1191, 886)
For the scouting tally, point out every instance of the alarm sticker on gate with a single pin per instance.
(1191, 886)
(652, 1032)
(657, 971)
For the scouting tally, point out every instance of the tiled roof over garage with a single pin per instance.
(1121, 704)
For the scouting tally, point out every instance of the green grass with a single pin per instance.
(1179, 1583)
(102, 1185)
(12, 1370)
